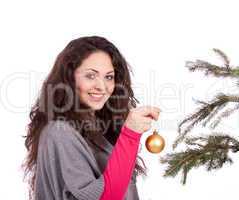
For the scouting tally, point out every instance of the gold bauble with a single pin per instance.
(155, 143)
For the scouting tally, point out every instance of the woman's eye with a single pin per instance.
(110, 77)
(90, 76)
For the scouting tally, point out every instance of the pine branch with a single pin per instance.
(208, 110)
(217, 71)
(204, 114)
(225, 114)
(211, 69)
(211, 151)
(224, 57)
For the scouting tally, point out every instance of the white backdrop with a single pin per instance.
(156, 37)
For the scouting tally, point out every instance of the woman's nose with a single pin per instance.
(100, 84)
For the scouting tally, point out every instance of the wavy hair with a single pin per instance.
(53, 101)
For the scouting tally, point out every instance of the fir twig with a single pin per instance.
(211, 151)
(225, 114)
(205, 113)
(224, 57)
(211, 69)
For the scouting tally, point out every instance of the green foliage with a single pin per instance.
(211, 151)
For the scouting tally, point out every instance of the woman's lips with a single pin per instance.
(96, 97)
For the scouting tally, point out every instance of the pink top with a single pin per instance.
(120, 165)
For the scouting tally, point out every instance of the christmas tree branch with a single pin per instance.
(211, 151)
(211, 69)
(205, 114)
(226, 113)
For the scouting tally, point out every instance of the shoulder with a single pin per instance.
(62, 135)
(58, 128)
(59, 131)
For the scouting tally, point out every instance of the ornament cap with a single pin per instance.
(155, 132)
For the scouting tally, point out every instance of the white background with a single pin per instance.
(156, 38)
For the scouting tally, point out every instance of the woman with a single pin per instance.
(85, 129)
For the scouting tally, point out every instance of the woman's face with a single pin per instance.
(95, 80)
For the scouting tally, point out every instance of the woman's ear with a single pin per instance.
(130, 106)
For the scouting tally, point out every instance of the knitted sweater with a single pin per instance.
(70, 167)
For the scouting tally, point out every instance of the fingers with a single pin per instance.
(146, 123)
(153, 115)
(149, 111)
(140, 118)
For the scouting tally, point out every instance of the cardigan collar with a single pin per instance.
(101, 142)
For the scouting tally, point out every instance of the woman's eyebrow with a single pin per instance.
(98, 72)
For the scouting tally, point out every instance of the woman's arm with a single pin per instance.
(120, 165)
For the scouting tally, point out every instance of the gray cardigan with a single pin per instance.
(70, 167)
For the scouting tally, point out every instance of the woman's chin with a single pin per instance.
(96, 106)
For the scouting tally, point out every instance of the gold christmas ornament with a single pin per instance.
(155, 143)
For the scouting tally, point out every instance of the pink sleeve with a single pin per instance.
(120, 165)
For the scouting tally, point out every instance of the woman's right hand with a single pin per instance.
(140, 119)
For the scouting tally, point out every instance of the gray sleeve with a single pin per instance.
(67, 163)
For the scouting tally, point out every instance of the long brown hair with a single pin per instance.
(52, 101)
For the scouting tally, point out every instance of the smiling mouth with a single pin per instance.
(96, 97)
